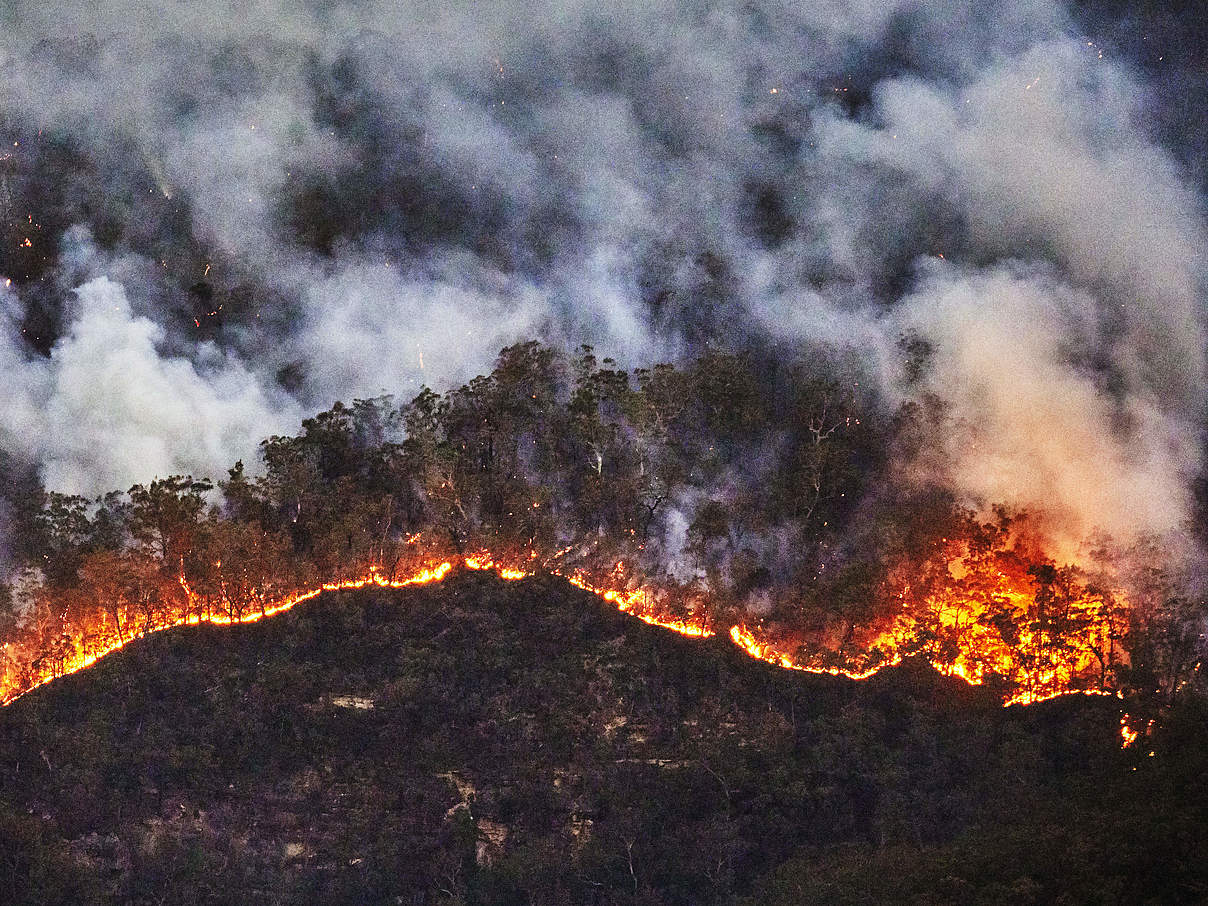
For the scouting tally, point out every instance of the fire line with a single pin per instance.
(633, 602)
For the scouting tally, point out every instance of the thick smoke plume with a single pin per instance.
(214, 224)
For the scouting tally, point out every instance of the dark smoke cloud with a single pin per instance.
(238, 213)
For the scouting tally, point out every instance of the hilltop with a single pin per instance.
(656, 484)
(482, 741)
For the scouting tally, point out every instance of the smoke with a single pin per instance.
(107, 410)
(319, 201)
(1034, 427)
(372, 331)
(1070, 343)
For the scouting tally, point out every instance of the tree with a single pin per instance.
(166, 515)
(243, 568)
(64, 537)
(110, 584)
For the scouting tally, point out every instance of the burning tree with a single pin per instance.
(706, 498)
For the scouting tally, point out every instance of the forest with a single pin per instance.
(524, 744)
(729, 492)
(519, 742)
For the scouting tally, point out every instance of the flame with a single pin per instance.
(636, 603)
(423, 577)
(1127, 734)
(194, 616)
(484, 561)
(952, 632)
(746, 640)
(978, 653)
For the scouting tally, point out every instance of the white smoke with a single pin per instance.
(106, 410)
(370, 331)
(1075, 369)
(385, 182)
(1033, 425)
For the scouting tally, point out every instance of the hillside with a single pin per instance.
(655, 484)
(482, 741)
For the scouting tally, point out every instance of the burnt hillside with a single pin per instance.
(481, 741)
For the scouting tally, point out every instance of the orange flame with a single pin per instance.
(87, 658)
(745, 639)
(977, 657)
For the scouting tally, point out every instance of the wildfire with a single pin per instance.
(636, 604)
(423, 577)
(954, 638)
(194, 615)
(746, 640)
(977, 631)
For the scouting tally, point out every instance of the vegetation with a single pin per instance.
(490, 743)
(737, 492)
(512, 743)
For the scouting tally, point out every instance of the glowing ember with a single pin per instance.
(1127, 735)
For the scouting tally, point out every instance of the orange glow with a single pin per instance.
(948, 629)
(99, 649)
(744, 639)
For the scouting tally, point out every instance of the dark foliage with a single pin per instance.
(497, 743)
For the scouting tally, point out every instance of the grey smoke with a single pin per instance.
(295, 204)
(1080, 389)
(106, 410)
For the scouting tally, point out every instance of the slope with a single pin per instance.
(490, 742)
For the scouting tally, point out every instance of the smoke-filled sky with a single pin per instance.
(220, 217)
